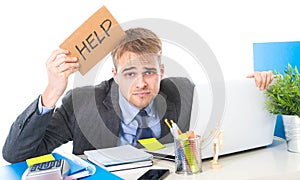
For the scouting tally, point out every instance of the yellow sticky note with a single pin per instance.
(40, 159)
(151, 144)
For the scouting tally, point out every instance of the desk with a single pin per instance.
(268, 163)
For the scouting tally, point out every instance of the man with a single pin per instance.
(109, 114)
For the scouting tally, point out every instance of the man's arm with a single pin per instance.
(34, 134)
(23, 138)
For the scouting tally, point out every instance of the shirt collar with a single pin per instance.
(129, 111)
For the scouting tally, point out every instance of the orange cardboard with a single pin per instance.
(94, 39)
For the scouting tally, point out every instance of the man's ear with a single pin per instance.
(114, 72)
(162, 70)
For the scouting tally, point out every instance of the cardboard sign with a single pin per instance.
(94, 39)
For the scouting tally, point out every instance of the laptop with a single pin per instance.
(245, 122)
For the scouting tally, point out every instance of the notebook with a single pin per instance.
(119, 158)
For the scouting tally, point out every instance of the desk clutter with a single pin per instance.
(188, 158)
(77, 168)
(120, 158)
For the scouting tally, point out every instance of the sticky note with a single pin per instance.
(40, 159)
(151, 144)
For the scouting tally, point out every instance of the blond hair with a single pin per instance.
(140, 41)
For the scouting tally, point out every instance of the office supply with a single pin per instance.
(79, 167)
(56, 169)
(171, 129)
(168, 124)
(119, 158)
(151, 144)
(175, 128)
(162, 156)
(187, 155)
(155, 174)
(18, 170)
(40, 159)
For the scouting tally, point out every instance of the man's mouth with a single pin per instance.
(141, 93)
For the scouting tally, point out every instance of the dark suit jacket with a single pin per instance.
(90, 117)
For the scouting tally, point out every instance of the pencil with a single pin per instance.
(168, 124)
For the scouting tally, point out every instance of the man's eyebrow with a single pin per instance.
(150, 69)
(128, 69)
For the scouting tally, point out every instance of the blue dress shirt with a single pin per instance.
(129, 124)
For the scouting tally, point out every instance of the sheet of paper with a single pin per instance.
(151, 144)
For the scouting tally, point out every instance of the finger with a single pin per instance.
(263, 81)
(258, 79)
(55, 53)
(271, 75)
(68, 66)
(270, 78)
(70, 71)
(250, 75)
(64, 59)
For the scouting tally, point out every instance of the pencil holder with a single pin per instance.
(188, 158)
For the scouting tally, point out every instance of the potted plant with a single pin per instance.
(283, 98)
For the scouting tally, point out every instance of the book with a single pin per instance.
(119, 158)
(125, 166)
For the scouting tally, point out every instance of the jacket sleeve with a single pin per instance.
(33, 134)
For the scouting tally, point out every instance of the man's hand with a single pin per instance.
(59, 68)
(262, 79)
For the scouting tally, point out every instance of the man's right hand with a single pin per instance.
(59, 68)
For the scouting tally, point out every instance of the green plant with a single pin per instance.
(283, 96)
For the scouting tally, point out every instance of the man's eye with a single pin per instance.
(130, 74)
(149, 72)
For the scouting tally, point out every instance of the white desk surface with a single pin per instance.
(267, 163)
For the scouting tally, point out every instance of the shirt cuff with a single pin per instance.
(41, 108)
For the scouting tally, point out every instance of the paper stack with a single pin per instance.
(119, 158)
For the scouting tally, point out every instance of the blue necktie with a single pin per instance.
(143, 130)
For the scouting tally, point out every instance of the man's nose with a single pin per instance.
(140, 82)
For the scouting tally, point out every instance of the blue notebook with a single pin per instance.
(15, 171)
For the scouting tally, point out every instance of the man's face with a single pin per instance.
(138, 78)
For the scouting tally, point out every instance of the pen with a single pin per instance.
(171, 129)
(176, 128)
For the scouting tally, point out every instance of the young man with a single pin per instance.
(109, 114)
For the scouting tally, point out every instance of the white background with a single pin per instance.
(32, 29)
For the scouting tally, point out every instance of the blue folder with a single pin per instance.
(276, 56)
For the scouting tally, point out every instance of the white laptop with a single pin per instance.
(246, 123)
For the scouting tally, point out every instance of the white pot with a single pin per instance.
(292, 132)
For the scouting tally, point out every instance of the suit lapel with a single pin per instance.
(112, 115)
